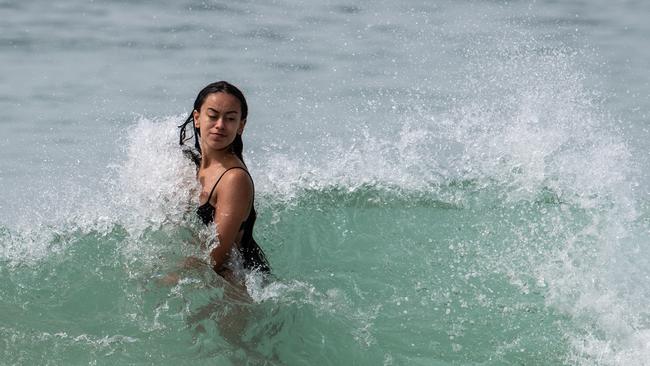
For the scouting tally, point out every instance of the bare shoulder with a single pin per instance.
(237, 180)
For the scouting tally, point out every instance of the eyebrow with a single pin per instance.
(216, 111)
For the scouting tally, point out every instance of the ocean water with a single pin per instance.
(437, 182)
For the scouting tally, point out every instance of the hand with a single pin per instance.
(193, 262)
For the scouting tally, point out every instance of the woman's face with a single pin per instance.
(219, 121)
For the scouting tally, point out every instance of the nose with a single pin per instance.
(220, 123)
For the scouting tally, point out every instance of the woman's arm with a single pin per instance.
(234, 197)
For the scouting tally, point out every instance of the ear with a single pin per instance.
(241, 127)
(195, 116)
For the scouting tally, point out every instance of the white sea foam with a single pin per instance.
(545, 132)
(155, 182)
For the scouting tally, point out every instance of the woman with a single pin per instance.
(227, 190)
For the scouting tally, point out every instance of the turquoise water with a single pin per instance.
(448, 183)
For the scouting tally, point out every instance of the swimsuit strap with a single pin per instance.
(221, 176)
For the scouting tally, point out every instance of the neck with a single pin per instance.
(210, 157)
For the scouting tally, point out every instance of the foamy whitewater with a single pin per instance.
(436, 183)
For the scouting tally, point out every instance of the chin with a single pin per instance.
(218, 147)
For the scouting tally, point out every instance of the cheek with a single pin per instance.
(203, 124)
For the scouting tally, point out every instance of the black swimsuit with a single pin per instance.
(206, 210)
(252, 254)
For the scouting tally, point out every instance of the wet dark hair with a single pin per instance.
(252, 254)
(218, 87)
